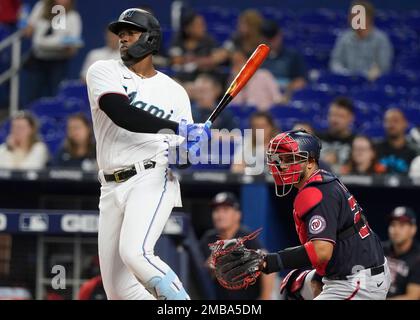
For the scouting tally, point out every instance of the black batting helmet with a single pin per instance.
(144, 21)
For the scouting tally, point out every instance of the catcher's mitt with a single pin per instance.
(236, 267)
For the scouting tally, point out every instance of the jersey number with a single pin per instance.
(355, 209)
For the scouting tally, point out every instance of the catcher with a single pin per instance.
(336, 239)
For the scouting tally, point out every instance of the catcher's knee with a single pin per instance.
(167, 287)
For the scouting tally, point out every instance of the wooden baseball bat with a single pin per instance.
(247, 71)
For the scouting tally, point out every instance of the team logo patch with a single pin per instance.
(317, 224)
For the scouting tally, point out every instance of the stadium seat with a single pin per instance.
(57, 107)
(73, 89)
(311, 95)
(340, 83)
(4, 130)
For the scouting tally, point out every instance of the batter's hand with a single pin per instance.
(194, 133)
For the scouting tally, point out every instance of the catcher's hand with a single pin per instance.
(236, 267)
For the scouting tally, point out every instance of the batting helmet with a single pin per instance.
(285, 155)
(144, 21)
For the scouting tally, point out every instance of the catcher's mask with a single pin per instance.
(149, 41)
(287, 153)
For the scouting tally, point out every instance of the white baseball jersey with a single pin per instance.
(158, 95)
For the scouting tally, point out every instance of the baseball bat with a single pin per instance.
(247, 71)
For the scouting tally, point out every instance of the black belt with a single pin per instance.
(128, 172)
(373, 272)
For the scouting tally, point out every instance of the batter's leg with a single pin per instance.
(148, 207)
(119, 283)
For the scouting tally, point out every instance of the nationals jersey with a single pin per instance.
(159, 95)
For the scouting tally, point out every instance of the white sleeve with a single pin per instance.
(102, 78)
(36, 13)
(184, 107)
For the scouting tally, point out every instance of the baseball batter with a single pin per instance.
(131, 103)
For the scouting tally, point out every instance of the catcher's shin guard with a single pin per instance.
(165, 288)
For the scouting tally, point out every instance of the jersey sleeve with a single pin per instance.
(101, 78)
(321, 221)
(183, 106)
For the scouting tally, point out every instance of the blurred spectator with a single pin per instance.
(226, 217)
(52, 48)
(35, 15)
(78, 150)
(415, 168)
(110, 51)
(93, 288)
(365, 51)
(261, 91)
(413, 139)
(394, 152)
(253, 147)
(247, 36)
(337, 140)
(363, 159)
(207, 90)
(9, 12)
(303, 126)
(23, 149)
(286, 64)
(192, 48)
(403, 255)
(308, 128)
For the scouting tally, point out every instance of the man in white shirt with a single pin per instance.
(137, 113)
(109, 51)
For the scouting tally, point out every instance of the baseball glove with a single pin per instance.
(236, 267)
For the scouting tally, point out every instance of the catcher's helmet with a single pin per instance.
(285, 155)
(149, 41)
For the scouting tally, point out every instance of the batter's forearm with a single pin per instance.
(124, 115)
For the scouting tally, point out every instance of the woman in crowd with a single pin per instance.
(78, 150)
(53, 45)
(249, 156)
(23, 149)
(191, 50)
(363, 159)
(262, 90)
(247, 36)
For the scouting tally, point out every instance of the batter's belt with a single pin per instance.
(126, 173)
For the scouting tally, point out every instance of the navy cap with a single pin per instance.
(405, 214)
(225, 198)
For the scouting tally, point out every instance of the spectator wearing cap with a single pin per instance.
(403, 255)
(393, 151)
(337, 140)
(226, 217)
(285, 63)
(191, 49)
(365, 50)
